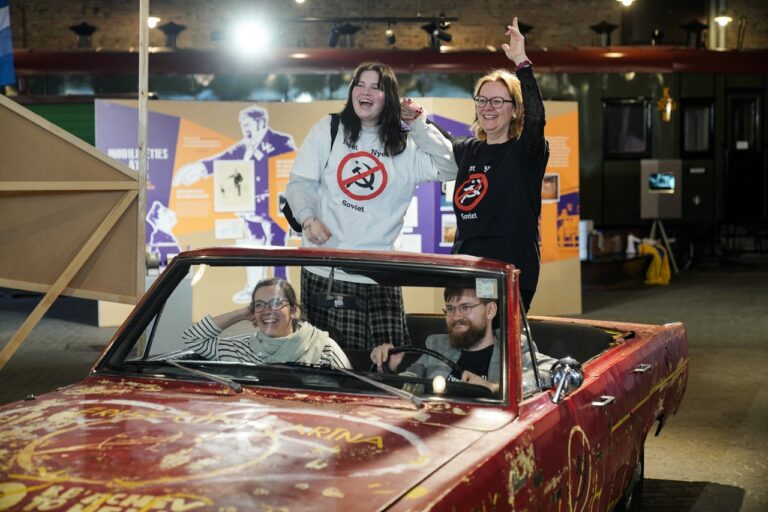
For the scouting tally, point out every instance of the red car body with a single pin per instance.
(123, 442)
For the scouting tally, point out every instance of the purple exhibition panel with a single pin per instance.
(455, 128)
(428, 197)
(117, 136)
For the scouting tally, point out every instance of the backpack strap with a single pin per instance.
(292, 221)
(335, 119)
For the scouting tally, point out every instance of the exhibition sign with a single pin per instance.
(218, 170)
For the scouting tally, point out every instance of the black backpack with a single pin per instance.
(292, 221)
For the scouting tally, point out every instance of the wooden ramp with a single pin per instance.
(69, 218)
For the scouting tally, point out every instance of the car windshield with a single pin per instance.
(313, 325)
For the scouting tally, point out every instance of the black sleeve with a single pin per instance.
(442, 130)
(532, 138)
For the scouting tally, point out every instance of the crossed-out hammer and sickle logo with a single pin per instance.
(471, 192)
(358, 175)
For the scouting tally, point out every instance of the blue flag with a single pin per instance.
(7, 75)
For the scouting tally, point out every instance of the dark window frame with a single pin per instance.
(627, 154)
(694, 103)
(756, 121)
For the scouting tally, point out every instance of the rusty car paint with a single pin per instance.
(206, 450)
(544, 461)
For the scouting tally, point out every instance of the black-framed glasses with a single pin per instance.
(464, 309)
(274, 304)
(496, 101)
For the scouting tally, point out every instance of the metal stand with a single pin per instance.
(665, 241)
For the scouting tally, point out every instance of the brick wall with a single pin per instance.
(43, 24)
(756, 17)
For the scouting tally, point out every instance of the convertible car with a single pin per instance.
(159, 425)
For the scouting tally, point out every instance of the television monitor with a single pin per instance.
(661, 189)
(661, 183)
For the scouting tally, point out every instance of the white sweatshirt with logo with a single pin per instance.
(360, 194)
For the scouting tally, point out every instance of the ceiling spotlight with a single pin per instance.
(251, 37)
(84, 31)
(171, 31)
(626, 3)
(389, 34)
(437, 32)
(153, 21)
(723, 20)
(604, 29)
(333, 38)
(342, 29)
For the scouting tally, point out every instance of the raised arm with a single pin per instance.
(203, 336)
(429, 139)
(532, 137)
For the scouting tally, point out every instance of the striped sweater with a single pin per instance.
(306, 345)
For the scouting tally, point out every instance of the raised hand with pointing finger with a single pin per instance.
(515, 49)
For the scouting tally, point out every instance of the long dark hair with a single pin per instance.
(391, 131)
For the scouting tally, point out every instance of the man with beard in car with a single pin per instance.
(471, 342)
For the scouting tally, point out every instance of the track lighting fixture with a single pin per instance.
(389, 34)
(437, 32)
(341, 29)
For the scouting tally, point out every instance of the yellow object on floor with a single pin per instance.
(658, 272)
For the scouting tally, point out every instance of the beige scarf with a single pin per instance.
(304, 345)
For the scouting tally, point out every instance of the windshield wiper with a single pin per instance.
(415, 400)
(234, 386)
(401, 393)
(172, 359)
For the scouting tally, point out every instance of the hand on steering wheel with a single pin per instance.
(406, 348)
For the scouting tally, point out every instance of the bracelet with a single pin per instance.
(307, 223)
(526, 63)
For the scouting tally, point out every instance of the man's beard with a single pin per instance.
(468, 338)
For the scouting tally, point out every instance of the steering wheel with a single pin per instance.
(437, 355)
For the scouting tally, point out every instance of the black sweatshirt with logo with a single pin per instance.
(497, 199)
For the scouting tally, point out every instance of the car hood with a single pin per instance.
(153, 445)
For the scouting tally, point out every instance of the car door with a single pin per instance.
(571, 445)
(590, 444)
(636, 371)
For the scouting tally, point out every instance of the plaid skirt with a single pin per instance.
(379, 319)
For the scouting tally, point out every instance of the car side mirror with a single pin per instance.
(567, 377)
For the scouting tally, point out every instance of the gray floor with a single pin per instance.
(712, 456)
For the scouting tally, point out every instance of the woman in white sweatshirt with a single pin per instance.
(353, 194)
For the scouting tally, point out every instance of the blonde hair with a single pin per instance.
(512, 84)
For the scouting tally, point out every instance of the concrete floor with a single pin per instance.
(711, 457)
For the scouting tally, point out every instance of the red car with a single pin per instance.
(158, 425)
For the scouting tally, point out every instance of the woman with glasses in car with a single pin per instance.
(280, 335)
(497, 198)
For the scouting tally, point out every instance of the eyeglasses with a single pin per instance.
(274, 304)
(464, 309)
(496, 101)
